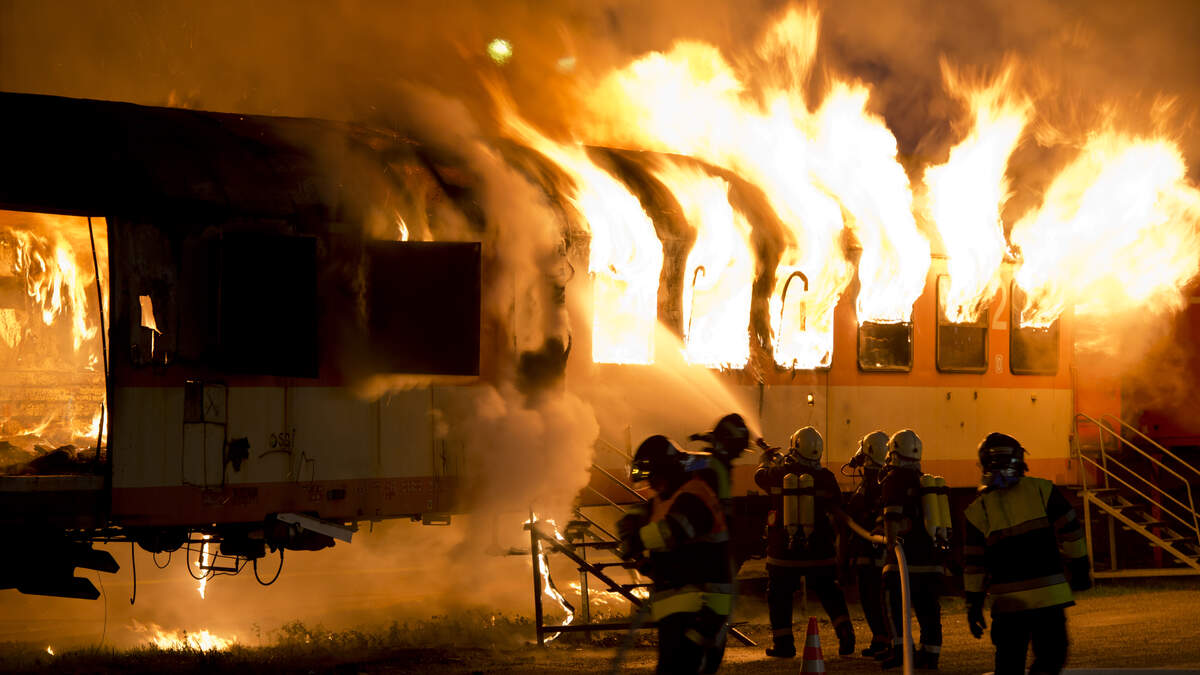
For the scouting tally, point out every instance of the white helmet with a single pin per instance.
(807, 444)
(904, 446)
(873, 447)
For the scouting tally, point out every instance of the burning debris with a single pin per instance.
(181, 640)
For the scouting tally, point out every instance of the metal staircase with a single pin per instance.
(1141, 487)
(581, 535)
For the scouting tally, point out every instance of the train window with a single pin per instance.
(885, 346)
(961, 347)
(1032, 350)
(268, 305)
(423, 306)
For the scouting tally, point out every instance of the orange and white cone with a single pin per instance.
(813, 661)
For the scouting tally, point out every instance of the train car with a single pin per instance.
(255, 292)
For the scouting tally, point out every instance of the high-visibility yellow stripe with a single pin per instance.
(1040, 582)
(720, 603)
(684, 601)
(973, 583)
(1076, 548)
(781, 632)
(694, 636)
(653, 537)
(1034, 598)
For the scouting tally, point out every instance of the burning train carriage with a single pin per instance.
(251, 299)
(258, 292)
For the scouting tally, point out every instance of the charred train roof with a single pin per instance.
(82, 156)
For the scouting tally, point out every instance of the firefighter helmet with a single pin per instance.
(872, 450)
(904, 447)
(657, 457)
(1002, 459)
(731, 434)
(807, 445)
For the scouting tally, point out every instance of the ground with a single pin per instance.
(1143, 625)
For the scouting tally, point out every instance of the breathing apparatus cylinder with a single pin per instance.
(943, 498)
(929, 504)
(799, 493)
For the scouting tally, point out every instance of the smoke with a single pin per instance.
(528, 432)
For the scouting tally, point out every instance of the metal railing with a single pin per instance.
(1161, 498)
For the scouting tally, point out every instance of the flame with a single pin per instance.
(856, 161)
(50, 650)
(202, 563)
(964, 196)
(182, 640)
(719, 274)
(625, 257)
(54, 281)
(690, 101)
(548, 588)
(401, 228)
(1118, 232)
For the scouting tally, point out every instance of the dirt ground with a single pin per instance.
(1132, 625)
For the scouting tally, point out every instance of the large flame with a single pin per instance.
(691, 101)
(625, 256)
(964, 196)
(55, 282)
(1118, 232)
(856, 161)
(719, 275)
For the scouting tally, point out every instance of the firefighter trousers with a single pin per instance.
(870, 594)
(691, 642)
(1012, 633)
(782, 584)
(926, 590)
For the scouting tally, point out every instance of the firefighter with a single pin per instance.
(684, 545)
(727, 441)
(865, 557)
(903, 521)
(801, 539)
(1013, 533)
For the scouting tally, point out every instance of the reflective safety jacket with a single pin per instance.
(688, 544)
(816, 549)
(900, 499)
(1012, 546)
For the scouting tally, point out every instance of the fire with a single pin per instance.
(50, 650)
(856, 161)
(1118, 232)
(719, 275)
(548, 588)
(203, 563)
(964, 196)
(182, 640)
(53, 280)
(625, 257)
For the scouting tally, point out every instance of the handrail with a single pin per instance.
(1125, 425)
(608, 445)
(1191, 505)
(1138, 492)
(1126, 441)
(606, 498)
(620, 482)
(581, 514)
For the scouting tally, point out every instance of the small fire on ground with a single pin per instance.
(182, 640)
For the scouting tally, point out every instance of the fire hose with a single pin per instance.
(905, 589)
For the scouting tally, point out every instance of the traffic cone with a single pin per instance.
(813, 661)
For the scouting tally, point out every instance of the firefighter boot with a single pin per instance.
(876, 648)
(892, 658)
(845, 636)
(784, 647)
(925, 660)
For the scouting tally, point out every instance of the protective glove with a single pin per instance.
(627, 531)
(975, 614)
(1081, 574)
